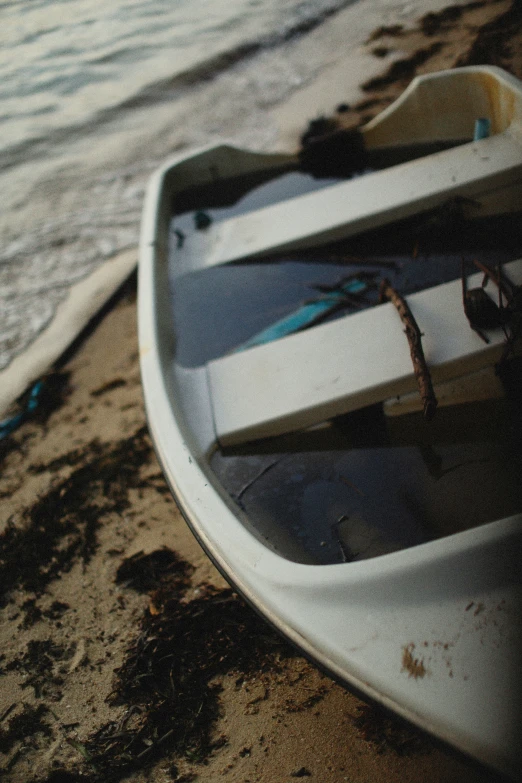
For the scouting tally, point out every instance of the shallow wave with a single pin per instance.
(70, 77)
(74, 174)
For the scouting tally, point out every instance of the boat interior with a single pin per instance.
(379, 478)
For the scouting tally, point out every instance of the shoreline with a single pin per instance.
(104, 590)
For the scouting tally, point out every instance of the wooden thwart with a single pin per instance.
(345, 209)
(338, 367)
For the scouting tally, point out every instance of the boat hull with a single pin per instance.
(432, 632)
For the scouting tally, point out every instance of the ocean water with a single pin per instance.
(94, 96)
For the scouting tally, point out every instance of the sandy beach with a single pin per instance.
(123, 653)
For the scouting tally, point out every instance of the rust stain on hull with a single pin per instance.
(414, 666)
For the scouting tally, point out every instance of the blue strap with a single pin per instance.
(7, 426)
(305, 316)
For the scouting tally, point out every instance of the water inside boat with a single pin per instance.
(362, 484)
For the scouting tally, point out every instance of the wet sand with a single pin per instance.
(124, 655)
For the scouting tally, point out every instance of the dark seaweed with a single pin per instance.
(61, 527)
(403, 70)
(380, 32)
(9, 444)
(32, 613)
(388, 734)
(493, 45)
(339, 153)
(146, 572)
(107, 387)
(24, 727)
(38, 663)
(55, 389)
(168, 678)
(437, 22)
(319, 127)
(56, 610)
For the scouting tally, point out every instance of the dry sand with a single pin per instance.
(124, 656)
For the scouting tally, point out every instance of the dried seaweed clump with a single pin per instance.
(60, 529)
(387, 734)
(169, 680)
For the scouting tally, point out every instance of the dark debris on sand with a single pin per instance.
(61, 527)
(388, 734)
(28, 723)
(41, 665)
(496, 41)
(168, 679)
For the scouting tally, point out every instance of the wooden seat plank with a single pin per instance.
(334, 368)
(345, 209)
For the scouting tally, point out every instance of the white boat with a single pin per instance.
(386, 548)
